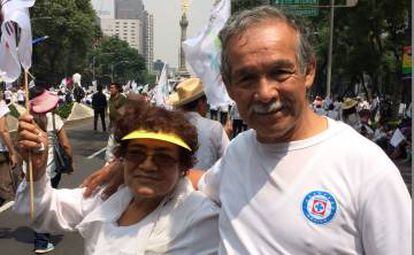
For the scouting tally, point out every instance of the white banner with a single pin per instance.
(12, 53)
(203, 54)
(161, 91)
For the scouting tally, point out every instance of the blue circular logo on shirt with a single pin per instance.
(319, 207)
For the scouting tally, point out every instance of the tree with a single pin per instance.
(72, 29)
(239, 5)
(114, 58)
(369, 41)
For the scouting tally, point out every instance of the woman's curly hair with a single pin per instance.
(139, 114)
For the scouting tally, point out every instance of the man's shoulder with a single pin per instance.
(357, 149)
(243, 142)
(191, 201)
(211, 123)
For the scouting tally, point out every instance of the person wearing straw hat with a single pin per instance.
(349, 112)
(191, 99)
(156, 212)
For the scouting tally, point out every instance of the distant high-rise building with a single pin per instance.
(148, 39)
(130, 22)
(128, 9)
(105, 9)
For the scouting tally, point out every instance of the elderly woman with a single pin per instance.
(156, 212)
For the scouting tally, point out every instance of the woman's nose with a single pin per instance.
(148, 164)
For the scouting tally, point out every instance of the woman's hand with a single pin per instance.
(110, 175)
(32, 139)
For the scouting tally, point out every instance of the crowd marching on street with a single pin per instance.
(273, 171)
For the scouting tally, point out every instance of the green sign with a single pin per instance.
(298, 7)
(406, 61)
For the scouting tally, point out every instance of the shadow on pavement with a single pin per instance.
(24, 235)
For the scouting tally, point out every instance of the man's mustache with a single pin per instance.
(260, 108)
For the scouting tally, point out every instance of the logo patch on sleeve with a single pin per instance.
(319, 207)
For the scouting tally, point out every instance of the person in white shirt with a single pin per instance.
(21, 96)
(350, 114)
(332, 113)
(319, 110)
(8, 96)
(42, 105)
(296, 183)
(156, 212)
(213, 140)
(237, 121)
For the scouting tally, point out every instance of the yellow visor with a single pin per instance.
(171, 138)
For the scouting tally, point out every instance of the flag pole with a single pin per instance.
(29, 160)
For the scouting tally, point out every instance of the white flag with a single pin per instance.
(161, 90)
(16, 21)
(134, 87)
(203, 54)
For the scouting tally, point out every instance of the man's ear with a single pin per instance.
(310, 74)
(227, 83)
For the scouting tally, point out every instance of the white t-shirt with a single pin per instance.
(212, 139)
(20, 95)
(334, 193)
(8, 94)
(333, 114)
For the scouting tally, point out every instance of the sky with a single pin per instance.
(167, 32)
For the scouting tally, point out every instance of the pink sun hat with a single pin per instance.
(44, 102)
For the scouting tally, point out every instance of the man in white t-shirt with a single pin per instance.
(8, 96)
(297, 183)
(21, 96)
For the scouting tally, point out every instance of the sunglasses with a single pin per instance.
(160, 159)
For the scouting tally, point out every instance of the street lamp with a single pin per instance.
(113, 68)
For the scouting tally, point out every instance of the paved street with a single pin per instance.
(15, 237)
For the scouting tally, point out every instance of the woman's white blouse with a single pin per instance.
(184, 223)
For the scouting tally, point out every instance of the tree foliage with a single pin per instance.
(114, 58)
(72, 29)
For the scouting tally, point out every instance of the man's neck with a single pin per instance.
(308, 126)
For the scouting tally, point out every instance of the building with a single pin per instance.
(130, 22)
(148, 40)
(129, 9)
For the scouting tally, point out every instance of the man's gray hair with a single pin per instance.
(240, 22)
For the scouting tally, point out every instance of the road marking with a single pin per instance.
(96, 153)
(6, 206)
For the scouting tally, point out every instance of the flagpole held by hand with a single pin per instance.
(29, 160)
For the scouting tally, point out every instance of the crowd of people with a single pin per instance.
(302, 179)
(373, 120)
